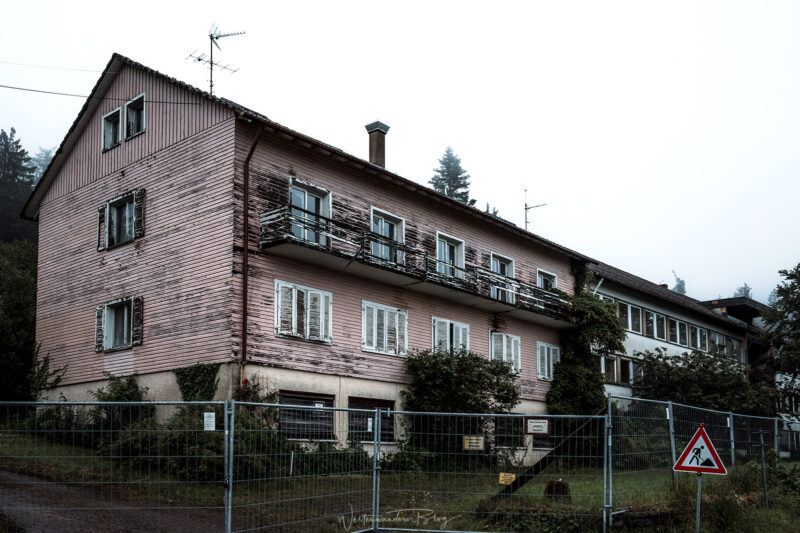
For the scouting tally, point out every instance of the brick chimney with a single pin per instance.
(377, 143)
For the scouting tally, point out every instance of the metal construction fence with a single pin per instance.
(239, 466)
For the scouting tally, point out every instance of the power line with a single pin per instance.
(55, 93)
(47, 67)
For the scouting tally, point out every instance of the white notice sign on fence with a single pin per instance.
(209, 422)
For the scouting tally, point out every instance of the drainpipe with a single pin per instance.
(246, 216)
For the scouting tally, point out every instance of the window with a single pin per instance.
(449, 335)
(118, 324)
(134, 117)
(384, 329)
(121, 220)
(361, 423)
(678, 332)
(655, 325)
(391, 230)
(607, 366)
(734, 349)
(310, 421)
(549, 355)
(546, 280)
(310, 207)
(504, 267)
(450, 256)
(717, 343)
(506, 347)
(698, 338)
(630, 370)
(302, 312)
(112, 133)
(630, 316)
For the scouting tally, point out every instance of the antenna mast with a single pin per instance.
(529, 207)
(214, 35)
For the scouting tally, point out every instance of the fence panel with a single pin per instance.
(475, 472)
(89, 466)
(717, 426)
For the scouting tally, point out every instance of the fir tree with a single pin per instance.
(16, 183)
(450, 179)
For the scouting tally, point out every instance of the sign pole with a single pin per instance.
(697, 516)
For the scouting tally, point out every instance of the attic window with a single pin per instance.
(112, 134)
(134, 117)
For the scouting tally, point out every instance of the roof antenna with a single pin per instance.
(214, 35)
(528, 207)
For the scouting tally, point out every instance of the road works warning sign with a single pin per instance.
(700, 456)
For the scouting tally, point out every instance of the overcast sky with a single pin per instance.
(661, 135)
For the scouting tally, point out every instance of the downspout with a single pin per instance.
(597, 288)
(246, 240)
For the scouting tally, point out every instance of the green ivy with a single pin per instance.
(198, 383)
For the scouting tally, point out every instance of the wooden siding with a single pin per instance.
(182, 265)
(171, 114)
(274, 162)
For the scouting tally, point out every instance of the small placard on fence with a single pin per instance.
(537, 426)
(209, 422)
(506, 478)
(474, 443)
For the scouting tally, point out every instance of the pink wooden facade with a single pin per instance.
(188, 265)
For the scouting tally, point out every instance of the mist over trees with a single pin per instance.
(451, 179)
(17, 177)
(745, 291)
(680, 285)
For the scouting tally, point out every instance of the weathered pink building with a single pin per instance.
(349, 267)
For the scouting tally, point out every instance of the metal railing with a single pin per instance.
(349, 242)
(239, 466)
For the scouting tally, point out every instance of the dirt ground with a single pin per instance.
(32, 505)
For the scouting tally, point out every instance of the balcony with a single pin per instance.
(309, 237)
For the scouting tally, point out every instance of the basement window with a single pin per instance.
(118, 324)
(112, 132)
(311, 420)
(361, 422)
(134, 117)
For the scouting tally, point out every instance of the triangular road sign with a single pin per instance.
(700, 456)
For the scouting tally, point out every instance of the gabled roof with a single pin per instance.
(626, 279)
(117, 61)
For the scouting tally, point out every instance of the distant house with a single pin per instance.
(346, 267)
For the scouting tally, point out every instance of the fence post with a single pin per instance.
(733, 440)
(376, 469)
(777, 446)
(228, 461)
(672, 439)
(606, 424)
(610, 455)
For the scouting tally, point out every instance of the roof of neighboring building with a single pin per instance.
(740, 305)
(118, 61)
(626, 279)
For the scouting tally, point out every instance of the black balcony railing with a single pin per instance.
(342, 239)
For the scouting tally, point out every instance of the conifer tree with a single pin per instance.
(450, 179)
(16, 183)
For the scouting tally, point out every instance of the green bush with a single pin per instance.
(198, 383)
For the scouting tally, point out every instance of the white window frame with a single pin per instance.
(696, 338)
(729, 344)
(506, 339)
(109, 343)
(120, 126)
(144, 116)
(327, 208)
(326, 312)
(605, 298)
(631, 373)
(400, 237)
(401, 326)
(458, 267)
(629, 325)
(714, 346)
(552, 357)
(604, 361)
(450, 325)
(539, 272)
(656, 316)
(678, 331)
(510, 297)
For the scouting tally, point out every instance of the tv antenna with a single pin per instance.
(529, 207)
(214, 35)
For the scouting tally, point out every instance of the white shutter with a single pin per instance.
(464, 337)
(369, 326)
(440, 328)
(380, 329)
(314, 315)
(497, 346)
(327, 315)
(391, 331)
(515, 354)
(285, 310)
(301, 312)
(556, 354)
(402, 324)
(455, 336)
(541, 370)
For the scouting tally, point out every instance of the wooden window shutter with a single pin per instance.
(99, 323)
(402, 321)
(391, 331)
(101, 228)
(460, 337)
(440, 328)
(380, 329)
(542, 370)
(300, 304)
(326, 317)
(136, 324)
(515, 354)
(138, 213)
(314, 315)
(497, 346)
(285, 309)
(368, 339)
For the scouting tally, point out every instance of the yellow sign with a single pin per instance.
(506, 478)
(474, 443)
